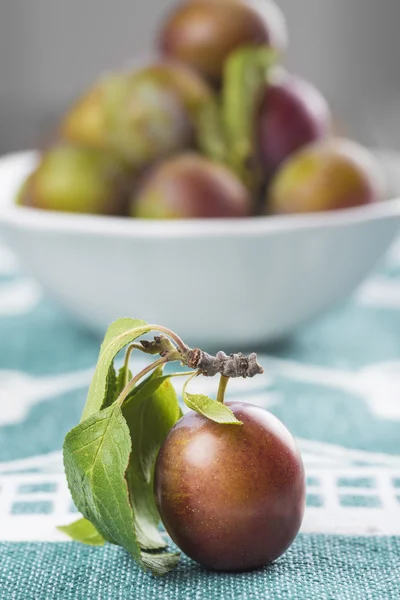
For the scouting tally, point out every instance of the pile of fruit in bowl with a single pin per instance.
(213, 127)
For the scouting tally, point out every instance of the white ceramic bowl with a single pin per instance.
(225, 283)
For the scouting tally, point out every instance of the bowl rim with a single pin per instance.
(29, 218)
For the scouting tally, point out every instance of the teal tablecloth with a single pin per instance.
(336, 385)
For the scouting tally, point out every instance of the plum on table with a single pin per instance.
(232, 498)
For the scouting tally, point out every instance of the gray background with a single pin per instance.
(51, 49)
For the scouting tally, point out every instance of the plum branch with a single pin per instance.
(169, 350)
(234, 365)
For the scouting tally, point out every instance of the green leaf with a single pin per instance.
(111, 387)
(110, 465)
(245, 78)
(210, 130)
(83, 531)
(220, 413)
(119, 334)
(96, 456)
(116, 384)
(150, 411)
(160, 563)
(111, 477)
(122, 378)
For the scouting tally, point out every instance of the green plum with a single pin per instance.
(190, 186)
(231, 497)
(152, 112)
(84, 123)
(73, 179)
(325, 175)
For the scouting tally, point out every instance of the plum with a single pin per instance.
(84, 122)
(73, 179)
(139, 115)
(152, 112)
(190, 186)
(202, 33)
(232, 498)
(326, 175)
(293, 113)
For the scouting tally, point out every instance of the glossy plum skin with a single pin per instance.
(202, 33)
(327, 175)
(293, 114)
(190, 186)
(231, 497)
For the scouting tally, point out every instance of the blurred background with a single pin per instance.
(51, 50)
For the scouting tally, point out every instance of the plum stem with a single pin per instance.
(129, 387)
(223, 382)
(128, 353)
(192, 376)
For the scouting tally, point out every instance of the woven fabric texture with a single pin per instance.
(335, 384)
(317, 567)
